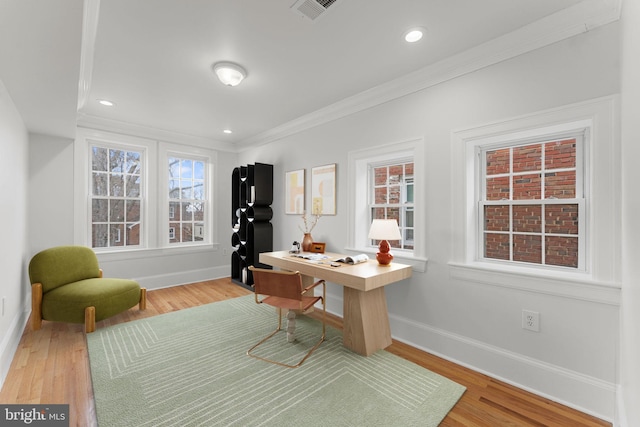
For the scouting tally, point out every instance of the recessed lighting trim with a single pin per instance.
(227, 131)
(414, 34)
(106, 102)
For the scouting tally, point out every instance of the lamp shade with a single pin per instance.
(384, 229)
(229, 73)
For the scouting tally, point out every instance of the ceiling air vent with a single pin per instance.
(312, 9)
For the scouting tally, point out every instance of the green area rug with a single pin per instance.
(190, 367)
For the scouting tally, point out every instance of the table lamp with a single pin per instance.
(384, 230)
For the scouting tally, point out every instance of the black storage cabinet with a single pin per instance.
(251, 214)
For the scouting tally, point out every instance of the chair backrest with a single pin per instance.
(283, 284)
(60, 265)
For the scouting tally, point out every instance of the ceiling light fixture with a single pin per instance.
(106, 103)
(227, 131)
(229, 73)
(414, 34)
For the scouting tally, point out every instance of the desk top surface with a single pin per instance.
(364, 276)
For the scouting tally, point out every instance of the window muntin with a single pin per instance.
(116, 196)
(531, 206)
(392, 188)
(187, 199)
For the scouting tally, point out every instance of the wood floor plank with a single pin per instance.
(52, 366)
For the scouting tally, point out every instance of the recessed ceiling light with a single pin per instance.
(106, 103)
(414, 34)
(227, 131)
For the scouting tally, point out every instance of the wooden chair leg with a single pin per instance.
(143, 299)
(89, 319)
(36, 306)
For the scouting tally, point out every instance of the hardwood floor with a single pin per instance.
(51, 366)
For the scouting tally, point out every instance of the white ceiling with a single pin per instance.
(153, 58)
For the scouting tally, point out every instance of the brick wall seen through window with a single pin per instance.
(531, 203)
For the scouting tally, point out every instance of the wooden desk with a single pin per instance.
(366, 319)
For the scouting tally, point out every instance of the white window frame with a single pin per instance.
(359, 185)
(402, 205)
(602, 205)
(168, 150)
(155, 212)
(143, 189)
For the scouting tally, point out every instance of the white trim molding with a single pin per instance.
(358, 193)
(567, 387)
(583, 17)
(603, 201)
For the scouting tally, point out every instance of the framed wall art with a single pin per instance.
(294, 192)
(323, 190)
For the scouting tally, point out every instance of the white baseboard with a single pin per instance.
(10, 342)
(183, 277)
(582, 392)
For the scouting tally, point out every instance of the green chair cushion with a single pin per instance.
(63, 264)
(108, 296)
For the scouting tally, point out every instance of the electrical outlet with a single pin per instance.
(531, 320)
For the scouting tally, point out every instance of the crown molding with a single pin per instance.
(578, 19)
(127, 128)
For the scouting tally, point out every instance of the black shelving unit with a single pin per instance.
(251, 213)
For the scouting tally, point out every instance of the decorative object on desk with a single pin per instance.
(311, 256)
(294, 192)
(307, 240)
(317, 247)
(295, 247)
(323, 190)
(356, 259)
(384, 230)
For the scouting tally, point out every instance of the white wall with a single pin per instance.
(629, 411)
(13, 217)
(50, 202)
(51, 194)
(573, 358)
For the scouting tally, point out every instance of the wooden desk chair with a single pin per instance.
(284, 289)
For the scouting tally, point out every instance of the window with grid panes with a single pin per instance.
(392, 198)
(531, 207)
(116, 197)
(187, 200)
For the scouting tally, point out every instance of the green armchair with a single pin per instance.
(67, 286)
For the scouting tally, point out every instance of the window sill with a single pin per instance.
(418, 264)
(569, 285)
(145, 253)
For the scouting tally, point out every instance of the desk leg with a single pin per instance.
(366, 321)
